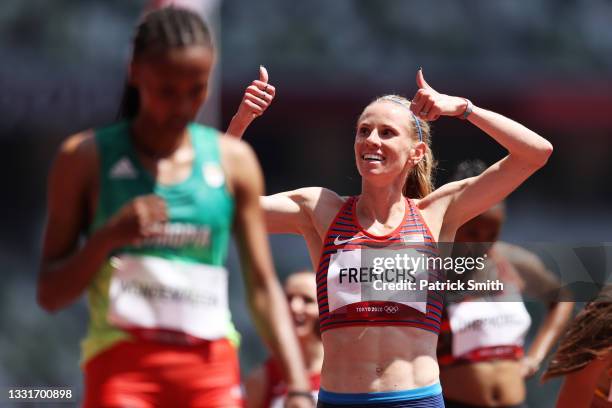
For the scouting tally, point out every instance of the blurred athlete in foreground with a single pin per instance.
(158, 196)
(480, 349)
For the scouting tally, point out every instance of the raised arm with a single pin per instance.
(300, 211)
(304, 211)
(257, 97)
(527, 152)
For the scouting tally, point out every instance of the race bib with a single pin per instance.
(148, 293)
(358, 284)
(479, 324)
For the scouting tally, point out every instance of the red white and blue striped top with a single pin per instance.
(345, 286)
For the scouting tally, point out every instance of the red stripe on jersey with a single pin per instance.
(345, 234)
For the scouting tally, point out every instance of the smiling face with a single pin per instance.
(172, 85)
(385, 144)
(301, 291)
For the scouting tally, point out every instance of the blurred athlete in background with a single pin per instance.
(266, 387)
(480, 349)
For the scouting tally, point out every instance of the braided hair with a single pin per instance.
(588, 337)
(162, 30)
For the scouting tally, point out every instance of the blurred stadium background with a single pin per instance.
(546, 63)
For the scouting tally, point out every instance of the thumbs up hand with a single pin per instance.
(257, 97)
(428, 104)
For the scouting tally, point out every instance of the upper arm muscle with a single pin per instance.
(67, 196)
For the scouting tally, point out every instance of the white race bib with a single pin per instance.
(349, 281)
(148, 292)
(481, 324)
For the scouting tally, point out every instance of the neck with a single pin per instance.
(378, 203)
(156, 142)
(312, 352)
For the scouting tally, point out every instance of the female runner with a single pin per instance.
(265, 386)
(480, 349)
(158, 196)
(584, 357)
(383, 352)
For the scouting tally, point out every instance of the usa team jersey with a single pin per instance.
(351, 292)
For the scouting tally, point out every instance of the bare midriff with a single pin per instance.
(362, 359)
(489, 383)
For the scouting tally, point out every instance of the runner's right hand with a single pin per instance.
(138, 220)
(257, 97)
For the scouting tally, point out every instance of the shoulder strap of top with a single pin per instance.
(414, 210)
(342, 212)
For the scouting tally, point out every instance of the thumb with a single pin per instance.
(263, 74)
(420, 80)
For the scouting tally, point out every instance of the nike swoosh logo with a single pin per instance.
(338, 241)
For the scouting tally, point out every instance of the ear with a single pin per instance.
(417, 152)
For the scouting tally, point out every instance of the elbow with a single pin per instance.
(538, 156)
(543, 153)
(546, 151)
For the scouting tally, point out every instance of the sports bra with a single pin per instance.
(356, 289)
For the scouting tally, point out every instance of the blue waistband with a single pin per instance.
(370, 397)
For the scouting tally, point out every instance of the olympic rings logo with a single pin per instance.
(391, 309)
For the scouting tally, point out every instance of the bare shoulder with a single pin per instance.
(240, 165)
(322, 204)
(516, 254)
(77, 156)
(539, 281)
(79, 145)
(508, 249)
(442, 195)
(433, 209)
(71, 181)
(316, 206)
(235, 149)
(320, 197)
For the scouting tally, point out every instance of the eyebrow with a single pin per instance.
(414, 117)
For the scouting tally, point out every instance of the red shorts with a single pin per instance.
(141, 374)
